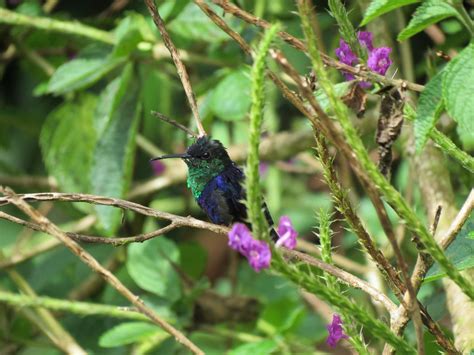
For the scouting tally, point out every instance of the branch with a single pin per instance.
(178, 221)
(89, 260)
(300, 45)
(183, 74)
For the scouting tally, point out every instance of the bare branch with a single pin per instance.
(183, 74)
(177, 221)
(173, 123)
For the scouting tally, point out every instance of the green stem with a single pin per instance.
(447, 145)
(392, 196)
(464, 17)
(82, 308)
(47, 24)
(252, 181)
(318, 287)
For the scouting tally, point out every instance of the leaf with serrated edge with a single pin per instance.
(428, 13)
(429, 109)
(67, 141)
(113, 155)
(149, 266)
(80, 73)
(380, 7)
(460, 252)
(458, 88)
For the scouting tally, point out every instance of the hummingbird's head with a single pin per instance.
(205, 154)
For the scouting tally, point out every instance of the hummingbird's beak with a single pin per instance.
(169, 156)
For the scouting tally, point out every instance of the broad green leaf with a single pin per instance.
(280, 316)
(80, 73)
(264, 347)
(380, 7)
(428, 13)
(132, 30)
(429, 109)
(67, 142)
(460, 252)
(114, 153)
(128, 333)
(231, 98)
(458, 88)
(149, 266)
(193, 259)
(193, 24)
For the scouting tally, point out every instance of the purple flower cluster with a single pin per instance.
(258, 252)
(378, 60)
(335, 330)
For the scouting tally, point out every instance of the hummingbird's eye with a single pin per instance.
(206, 155)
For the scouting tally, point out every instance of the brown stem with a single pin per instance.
(182, 72)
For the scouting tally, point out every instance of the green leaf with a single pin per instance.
(193, 258)
(380, 7)
(193, 24)
(116, 120)
(460, 252)
(263, 347)
(429, 109)
(80, 73)
(149, 266)
(458, 88)
(280, 316)
(67, 141)
(128, 333)
(231, 98)
(132, 30)
(428, 13)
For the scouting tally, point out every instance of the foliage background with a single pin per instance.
(87, 127)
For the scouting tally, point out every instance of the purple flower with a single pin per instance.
(345, 54)
(365, 40)
(379, 60)
(158, 167)
(335, 330)
(258, 254)
(286, 233)
(240, 238)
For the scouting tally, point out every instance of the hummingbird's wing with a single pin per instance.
(222, 196)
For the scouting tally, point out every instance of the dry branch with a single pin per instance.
(89, 260)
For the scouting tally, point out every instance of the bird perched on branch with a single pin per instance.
(216, 182)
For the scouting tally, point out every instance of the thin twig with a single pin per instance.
(183, 74)
(434, 225)
(173, 123)
(90, 261)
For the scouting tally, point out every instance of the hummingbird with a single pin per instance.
(216, 182)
